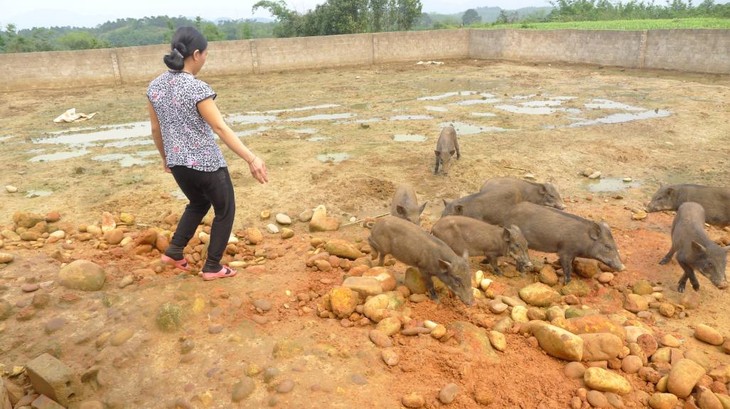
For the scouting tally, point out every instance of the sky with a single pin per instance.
(84, 13)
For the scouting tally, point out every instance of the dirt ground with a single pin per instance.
(344, 138)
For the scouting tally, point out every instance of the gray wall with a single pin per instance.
(703, 51)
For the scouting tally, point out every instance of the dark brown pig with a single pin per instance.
(471, 236)
(446, 146)
(715, 201)
(405, 204)
(490, 206)
(539, 193)
(570, 236)
(694, 249)
(411, 245)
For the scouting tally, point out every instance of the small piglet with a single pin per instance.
(715, 201)
(446, 146)
(411, 245)
(694, 249)
(472, 236)
(540, 193)
(554, 231)
(405, 204)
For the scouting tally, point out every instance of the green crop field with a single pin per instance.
(680, 23)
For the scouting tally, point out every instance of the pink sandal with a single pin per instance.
(223, 273)
(182, 264)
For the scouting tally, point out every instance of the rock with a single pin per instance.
(82, 275)
(52, 378)
(539, 295)
(586, 267)
(683, 377)
(519, 314)
(321, 222)
(107, 222)
(594, 324)
(648, 344)
(114, 236)
(413, 401)
(285, 386)
(44, 402)
(574, 370)
(605, 278)
(342, 248)
(262, 304)
(472, 339)
(283, 219)
(597, 399)
(11, 189)
(272, 228)
(121, 336)
(26, 219)
(666, 309)
(548, 275)
(243, 389)
(287, 233)
(343, 301)
(636, 303)
(558, 342)
(707, 334)
(669, 340)
(601, 346)
(606, 381)
(631, 364)
(365, 286)
(642, 287)
(390, 357)
(663, 401)
(253, 235)
(498, 307)
(578, 288)
(380, 339)
(706, 399)
(498, 340)
(6, 258)
(414, 281)
(389, 325)
(448, 393)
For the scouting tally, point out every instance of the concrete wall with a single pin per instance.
(704, 51)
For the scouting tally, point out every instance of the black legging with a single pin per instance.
(204, 189)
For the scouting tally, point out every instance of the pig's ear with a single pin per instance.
(436, 152)
(595, 231)
(543, 190)
(465, 254)
(400, 210)
(506, 234)
(698, 248)
(459, 209)
(423, 206)
(726, 248)
(445, 202)
(670, 191)
(445, 265)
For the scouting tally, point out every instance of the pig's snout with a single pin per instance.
(722, 285)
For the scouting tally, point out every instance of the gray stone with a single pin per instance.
(51, 377)
(82, 275)
(243, 389)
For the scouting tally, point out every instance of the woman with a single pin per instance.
(184, 116)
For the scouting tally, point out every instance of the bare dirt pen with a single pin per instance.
(552, 122)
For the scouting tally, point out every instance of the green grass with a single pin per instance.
(680, 23)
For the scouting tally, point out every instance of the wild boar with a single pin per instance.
(405, 204)
(446, 146)
(715, 201)
(411, 245)
(471, 236)
(554, 231)
(539, 193)
(490, 206)
(694, 249)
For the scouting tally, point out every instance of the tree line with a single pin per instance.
(338, 17)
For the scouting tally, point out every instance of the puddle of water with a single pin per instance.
(484, 114)
(563, 98)
(124, 131)
(526, 110)
(436, 109)
(367, 121)
(409, 138)
(250, 132)
(318, 139)
(468, 129)
(250, 119)
(5, 138)
(336, 157)
(608, 104)
(469, 102)
(524, 96)
(134, 142)
(320, 117)
(306, 131)
(410, 117)
(620, 118)
(548, 103)
(49, 157)
(124, 160)
(611, 185)
(305, 108)
(447, 95)
(38, 193)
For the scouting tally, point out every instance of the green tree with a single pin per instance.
(470, 17)
(290, 23)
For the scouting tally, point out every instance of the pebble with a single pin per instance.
(243, 389)
(282, 218)
(498, 307)
(670, 341)
(11, 188)
(597, 399)
(574, 370)
(359, 379)
(390, 357)
(285, 386)
(54, 325)
(707, 334)
(380, 339)
(448, 393)
(272, 228)
(29, 288)
(262, 304)
(126, 280)
(215, 329)
(413, 401)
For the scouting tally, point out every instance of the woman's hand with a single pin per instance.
(258, 170)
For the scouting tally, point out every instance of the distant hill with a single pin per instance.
(490, 14)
